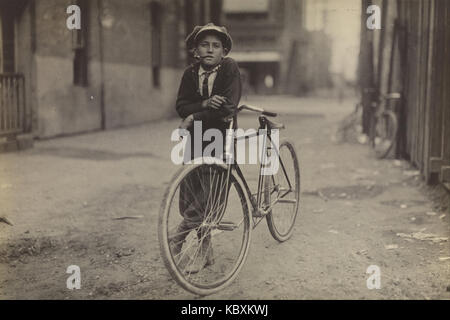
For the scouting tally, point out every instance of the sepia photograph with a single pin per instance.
(224, 150)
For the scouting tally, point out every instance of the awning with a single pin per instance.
(256, 56)
(239, 6)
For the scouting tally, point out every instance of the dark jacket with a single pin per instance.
(227, 84)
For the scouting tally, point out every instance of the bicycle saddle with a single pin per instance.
(274, 125)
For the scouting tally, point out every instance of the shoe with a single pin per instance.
(176, 240)
(205, 258)
(175, 247)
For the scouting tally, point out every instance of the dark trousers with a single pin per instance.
(202, 199)
(202, 194)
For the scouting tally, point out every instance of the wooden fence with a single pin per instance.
(411, 54)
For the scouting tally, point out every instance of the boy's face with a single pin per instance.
(210, 50)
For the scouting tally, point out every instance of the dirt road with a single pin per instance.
(65, 195)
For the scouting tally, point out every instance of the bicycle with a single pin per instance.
(350, 128)
(229, 211)
(383, 125)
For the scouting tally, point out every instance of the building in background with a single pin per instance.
(122, 68)
(339, 23)
(257, 28)
(274, 48)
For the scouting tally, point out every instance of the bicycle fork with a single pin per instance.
(229, 159)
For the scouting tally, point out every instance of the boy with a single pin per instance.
(209, 92)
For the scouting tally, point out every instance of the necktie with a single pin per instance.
(205, 90)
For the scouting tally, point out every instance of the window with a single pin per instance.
(246, 10)
(7, 43)
(79, 46)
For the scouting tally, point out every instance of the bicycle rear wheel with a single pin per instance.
(385, 134)
(204, 237)
(282, 193)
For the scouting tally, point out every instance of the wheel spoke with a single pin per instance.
(208, 236)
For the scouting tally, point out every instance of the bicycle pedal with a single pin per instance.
(227, 226)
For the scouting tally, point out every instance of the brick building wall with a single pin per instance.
(127, 65)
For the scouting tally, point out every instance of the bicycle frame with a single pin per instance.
(186, 246)
(259, 210)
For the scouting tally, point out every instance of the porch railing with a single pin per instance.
(12, 104)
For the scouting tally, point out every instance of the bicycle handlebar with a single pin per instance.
(257, 109)
(269, 114)
(386, 97)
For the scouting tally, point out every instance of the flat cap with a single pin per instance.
(222, 32)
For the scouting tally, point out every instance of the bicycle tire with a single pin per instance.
(272, 216)
(386, 127)
(168, 258)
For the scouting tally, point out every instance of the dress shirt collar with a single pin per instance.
(201, 71)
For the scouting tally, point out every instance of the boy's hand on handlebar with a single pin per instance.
(215, 102)
(187, 122)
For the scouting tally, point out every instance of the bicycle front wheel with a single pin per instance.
(204, 227)
(282, 193)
